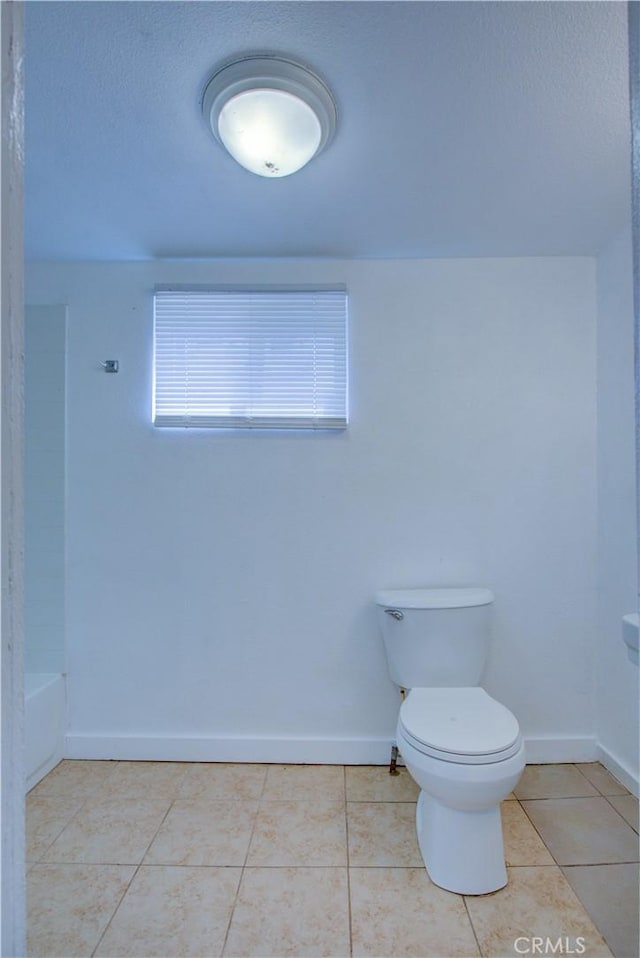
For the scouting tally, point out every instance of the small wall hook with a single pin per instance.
(110, 365)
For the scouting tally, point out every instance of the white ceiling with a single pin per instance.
(464, 129)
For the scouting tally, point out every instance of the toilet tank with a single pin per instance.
(435, 637)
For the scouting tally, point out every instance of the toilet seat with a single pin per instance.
(461, 725)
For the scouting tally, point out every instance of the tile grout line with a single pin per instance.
(559, 798)
(40, 860)
(569, 798)
(576, 765)
(617, 810)
(538, 833)
(473, 928)
(346, 832)
(133, 877)
(95, 797)
(115, 910)
(63, 796)
(244, 864)
(140, 863)
(560, 867)
(587, 910)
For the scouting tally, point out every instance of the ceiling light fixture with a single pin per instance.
(271, 114)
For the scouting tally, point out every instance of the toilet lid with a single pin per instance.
(465, 722)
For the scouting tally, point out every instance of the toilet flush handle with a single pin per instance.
(395, 613)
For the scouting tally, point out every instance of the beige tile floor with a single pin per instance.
(170, 859)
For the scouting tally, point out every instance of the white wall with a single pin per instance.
(12, 846)
(44, 487)
(220, 586)
(617, 677)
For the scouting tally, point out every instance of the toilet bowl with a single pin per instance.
(463, 748)
(466, 753)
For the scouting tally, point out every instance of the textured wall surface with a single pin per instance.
(220, 586)
(11, 527)
(634, 68)
(617, 677)
(44, 488)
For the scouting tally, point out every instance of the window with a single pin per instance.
(250, 358)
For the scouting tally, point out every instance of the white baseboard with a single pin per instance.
(316, 751)
(620, 769)
(553, 749)
(320, 751)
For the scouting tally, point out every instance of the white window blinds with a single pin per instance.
(250, 359)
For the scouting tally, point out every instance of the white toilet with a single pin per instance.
(462, 747)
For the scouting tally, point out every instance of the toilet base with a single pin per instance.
(462, 851)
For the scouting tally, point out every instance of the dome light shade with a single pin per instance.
(272, 115)
(269, 132)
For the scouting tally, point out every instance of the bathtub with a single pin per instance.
(44, 723)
